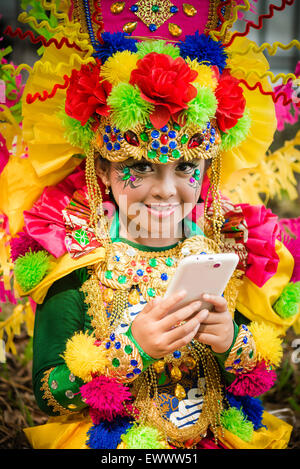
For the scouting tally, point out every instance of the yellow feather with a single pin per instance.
(118, 68)
(83, 357)
(267, 341)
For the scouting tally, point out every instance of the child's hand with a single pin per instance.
(155, 329)
(217, 329)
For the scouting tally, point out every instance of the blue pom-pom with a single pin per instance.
(204, 49)
(114, 42)
(107, 435)
(251, 407)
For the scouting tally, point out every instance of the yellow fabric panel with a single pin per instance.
(256, 302)
(70, 433)
(62, 267)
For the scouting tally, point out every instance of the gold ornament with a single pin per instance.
(117, 7)
(174, 29)
(130, 27)
(134, 297)
(189, 10)
(179, 392)
(108, 295)
(190, 363)
(159, 366)
(176, 373)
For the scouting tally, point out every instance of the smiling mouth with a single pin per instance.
(161, 210)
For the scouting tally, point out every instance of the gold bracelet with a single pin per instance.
(242, 357)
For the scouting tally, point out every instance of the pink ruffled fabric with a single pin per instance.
(4, 153)
(263, 229)
(290, 236)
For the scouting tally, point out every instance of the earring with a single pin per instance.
(107, 189)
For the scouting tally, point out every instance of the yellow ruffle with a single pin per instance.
(256, 302)
(69, 432)
(262, 113)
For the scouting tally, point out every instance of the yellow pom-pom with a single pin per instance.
(206, 76)
(83, 357)
(118, 68)
(267, 341)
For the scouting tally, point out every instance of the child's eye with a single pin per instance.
(141, 167)
(186, 167)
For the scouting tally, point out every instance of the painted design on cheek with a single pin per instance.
(194, 180)
(128, 178)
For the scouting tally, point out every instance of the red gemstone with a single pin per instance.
(136, 278)
(129, 271)
(149, 269)
(133, 263)
(164, 139)
(195, 140)
(113, 138)
(145, 278)
(143, 262)
(131, 138)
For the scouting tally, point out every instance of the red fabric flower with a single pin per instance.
(166, 83)
(87, 94)
(231, 101)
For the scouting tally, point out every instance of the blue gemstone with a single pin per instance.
(140, 272)
(105, 138)
(117, 258)
(244, 327)
(116, 130)
(112, 336)
(228, 368)
(152, 27)
(164, 129)
(108, 129)
(134, 8)
(107, 345)
(173, 9)
(117, 146)
(120, 138)
(173, 144)
(164, 150)
(213, 131)
(117, 345)
(203, 252)
(133, 362)
(207, 147)
(208, 125)
(172, 134)
(245, 340)
(164, 276)
(130, 375)
(155, 144)
(109, 146)
(155, 134)
(137, 371)
(177, 354)
(237, 361)
(212, 139)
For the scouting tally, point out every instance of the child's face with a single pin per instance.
(154, 198)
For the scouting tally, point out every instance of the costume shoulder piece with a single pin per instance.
(90, 94)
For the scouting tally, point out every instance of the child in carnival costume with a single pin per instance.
(154, 111)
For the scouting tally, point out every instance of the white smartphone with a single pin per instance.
(202, 273)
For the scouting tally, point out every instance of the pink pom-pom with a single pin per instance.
(254, 383)
(105, 396)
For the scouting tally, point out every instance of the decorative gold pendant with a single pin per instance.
(159, 366)
(174, 29)
(189, 10)
(190, 363)
(117, 7)
(130, 27)
(108, 295)
(134, 297)
(176, 373)
(179, 392)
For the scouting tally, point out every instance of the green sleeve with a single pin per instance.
(222, 357)
(146, 359)
(57, 319)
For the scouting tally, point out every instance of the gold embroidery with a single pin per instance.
(47, 395)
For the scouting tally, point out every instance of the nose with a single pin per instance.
(164, 187)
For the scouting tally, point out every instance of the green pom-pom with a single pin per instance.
(287, 304)
(237, 134)
(31, 268)
(202, 108)
(160, 46)
(128, 107)
(235, 422)
(143, 437)
(77, 135)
